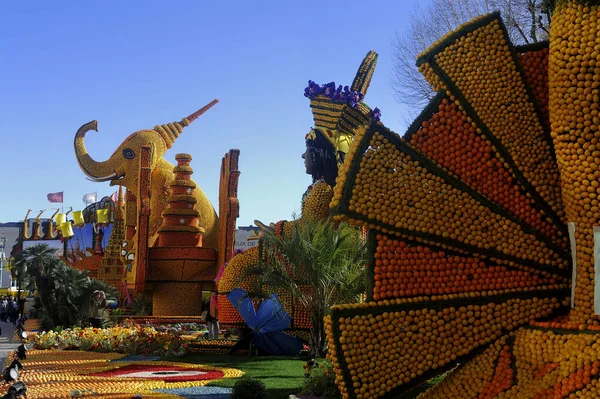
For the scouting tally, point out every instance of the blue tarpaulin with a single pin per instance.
(266, 324)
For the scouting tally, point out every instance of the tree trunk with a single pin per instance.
(531, 7)
(317, 343)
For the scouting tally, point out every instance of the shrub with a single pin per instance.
(319, 379)
(248, 388)
(141, 305)
(116, 316)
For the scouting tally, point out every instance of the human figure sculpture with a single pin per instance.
(338, 113)
(330, 138)
(98, 305)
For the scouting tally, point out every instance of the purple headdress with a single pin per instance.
(337, 95)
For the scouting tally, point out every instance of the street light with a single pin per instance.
(2, 257)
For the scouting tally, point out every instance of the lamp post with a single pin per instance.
(2, 257)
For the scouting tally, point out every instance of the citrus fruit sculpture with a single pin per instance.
(482, 223)
(338, 112)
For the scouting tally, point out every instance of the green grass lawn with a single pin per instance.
(281, 375)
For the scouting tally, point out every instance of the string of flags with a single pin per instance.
(88, 198)
(65, 226)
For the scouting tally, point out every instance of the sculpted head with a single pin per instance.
(338, 112)
(121, 168)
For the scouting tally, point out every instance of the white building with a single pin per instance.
(9, 233)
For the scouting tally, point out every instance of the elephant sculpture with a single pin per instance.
(122, 168)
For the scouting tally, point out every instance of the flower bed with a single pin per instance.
(142, 340)
(57, 373)
(212, 347)
(181, 328)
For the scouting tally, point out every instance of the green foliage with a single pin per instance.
(248, 388)
(548, 6)
(328, 259)
(116, 316)
(319, 379)
(141, 305)
(37, 310)
(63, 292)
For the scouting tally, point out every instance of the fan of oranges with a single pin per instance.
(480, 215)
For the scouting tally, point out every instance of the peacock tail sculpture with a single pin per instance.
(482, 222)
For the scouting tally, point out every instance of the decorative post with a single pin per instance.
(143, 204)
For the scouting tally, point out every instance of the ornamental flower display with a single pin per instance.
(142, 340)
(64, 374)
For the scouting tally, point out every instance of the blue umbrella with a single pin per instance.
(266, 324)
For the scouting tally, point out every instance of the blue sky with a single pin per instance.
(132, 65)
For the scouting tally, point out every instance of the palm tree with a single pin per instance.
(64, 292)
(320, 264)
(32, 264)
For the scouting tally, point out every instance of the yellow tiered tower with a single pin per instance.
(111, 269)
(178, 266)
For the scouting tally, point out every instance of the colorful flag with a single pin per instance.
(91, 197)
(115, 197)
(55, 197)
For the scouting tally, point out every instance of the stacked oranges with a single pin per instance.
(448, 138)
(385, 348)
(574, 78)
(404, 268)
(535, 71)
(439, 243)
(396, 191)
(316, 205)
(301, 319)
(233, 277)
(550, 364)
(344, 170)
(503, 377)
(334, 357)
(481, 67)
(230, 280)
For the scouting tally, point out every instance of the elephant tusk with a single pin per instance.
(101, 179)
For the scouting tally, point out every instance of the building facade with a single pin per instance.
(9, 233)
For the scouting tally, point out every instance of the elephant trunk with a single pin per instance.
(96, 171)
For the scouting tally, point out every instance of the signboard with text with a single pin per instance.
(241, 239)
